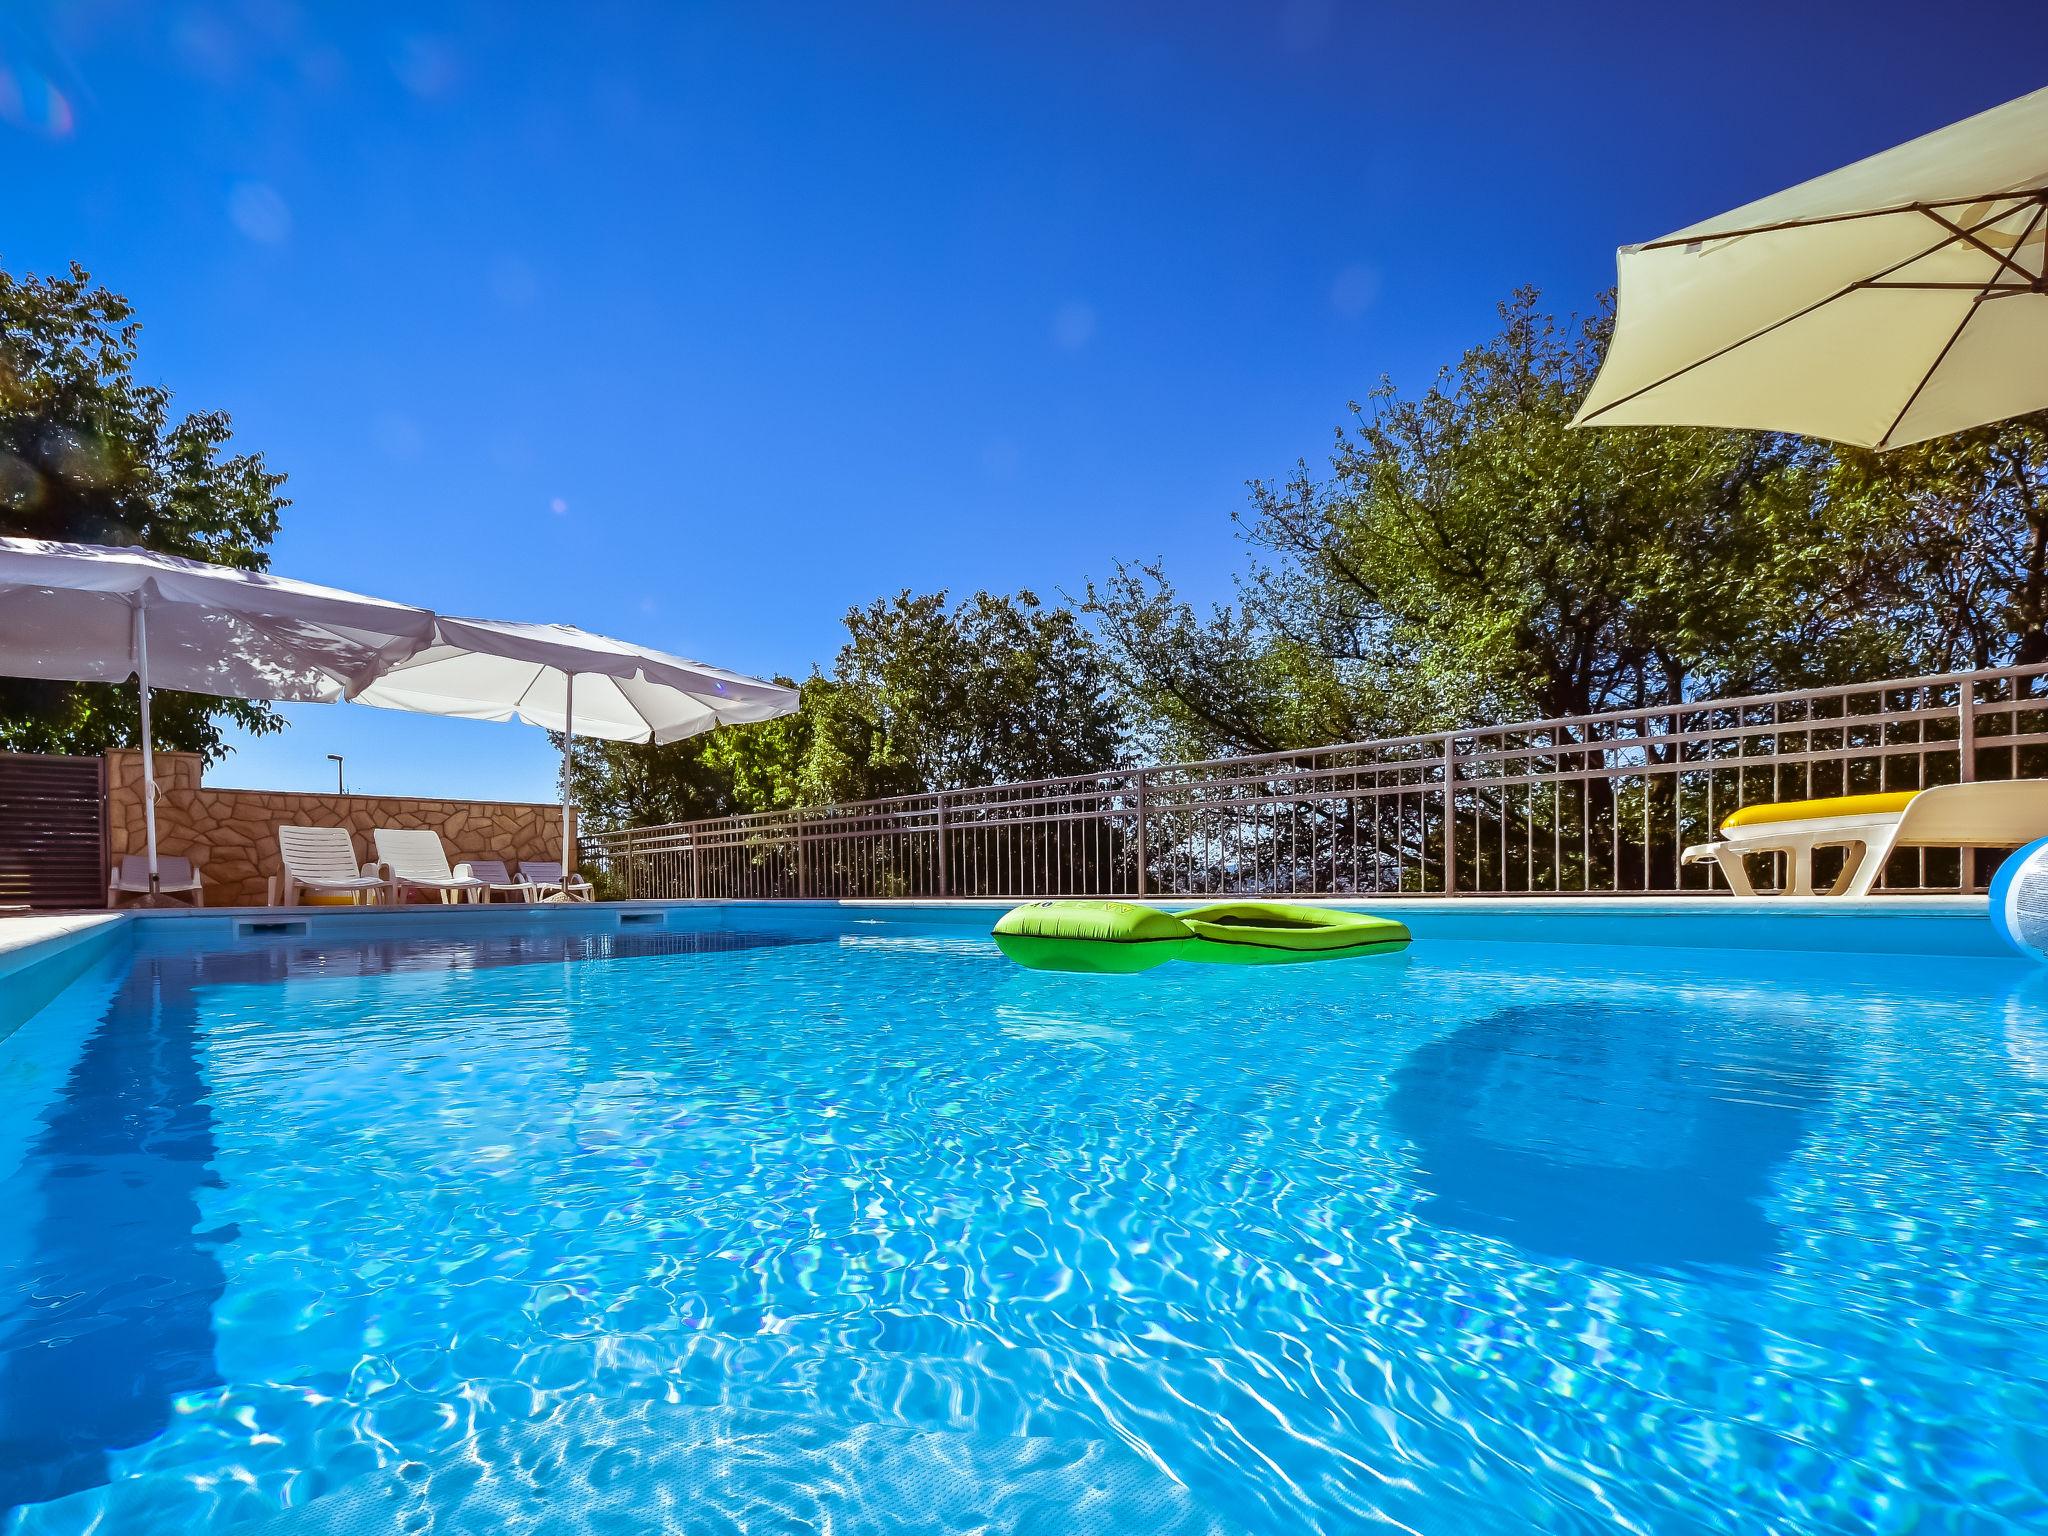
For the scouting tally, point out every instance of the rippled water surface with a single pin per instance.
(861, 1228)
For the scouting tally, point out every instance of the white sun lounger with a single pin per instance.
(322, 860)
(545, 878)
(414, 860)
(1869, 828)
(496, 877)
(174, 877)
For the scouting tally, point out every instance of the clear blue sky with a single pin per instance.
(698, 323)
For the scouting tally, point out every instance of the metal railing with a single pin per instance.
(1599, 804)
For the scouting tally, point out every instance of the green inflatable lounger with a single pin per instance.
(1108, 936)
(1124, 936)
(1277, 933)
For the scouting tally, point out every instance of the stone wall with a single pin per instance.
(231, 834)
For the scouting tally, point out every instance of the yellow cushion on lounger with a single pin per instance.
(1811, 810)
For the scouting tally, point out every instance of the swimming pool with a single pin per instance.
(833, 1219)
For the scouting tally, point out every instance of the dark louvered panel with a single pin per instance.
(53, 831)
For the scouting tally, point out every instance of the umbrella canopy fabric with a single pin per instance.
(84, 613)
(1900, 298)
(570, 680)
(487, 669)
(68, 613)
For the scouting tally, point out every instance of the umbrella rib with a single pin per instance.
(1990, 290)
(1818, 304)
(1961, 325)
(540, 670)
(2003, 258)
(2018, 195)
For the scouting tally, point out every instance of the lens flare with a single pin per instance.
(260, 213)
(33, 103)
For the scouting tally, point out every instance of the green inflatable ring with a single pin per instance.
(1103, 936)
(1119, 937)
(1277, 933)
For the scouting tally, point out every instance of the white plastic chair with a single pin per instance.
(545, 878)
(174, 876)
(2002, 813)
(322, 860)
(414, 860)
(496, 877)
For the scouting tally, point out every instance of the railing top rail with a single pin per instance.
(1612, 716)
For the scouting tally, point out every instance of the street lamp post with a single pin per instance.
(335, 758)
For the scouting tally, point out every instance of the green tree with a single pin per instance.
(1958, 529)
(996, 688)
(1256, 675)
(1470, 556)
(721, 773)
(924, 696)
(90, 454)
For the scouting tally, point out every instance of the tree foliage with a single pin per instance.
(1469, 555)
(1957, 533)
(925, 695)
(90, 454)
(996, 688)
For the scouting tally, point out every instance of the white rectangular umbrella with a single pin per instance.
(85, 613)
(570, 680)
(1903, 297)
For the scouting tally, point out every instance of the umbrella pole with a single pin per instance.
(568, 735)
(148, 752)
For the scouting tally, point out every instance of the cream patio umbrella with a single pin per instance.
(1897, 299)
(570, 680)
(87, 613)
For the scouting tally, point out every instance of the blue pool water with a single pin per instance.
(809, 1224)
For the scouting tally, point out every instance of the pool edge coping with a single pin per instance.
(28, 943)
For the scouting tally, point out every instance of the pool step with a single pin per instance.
(654, 1467)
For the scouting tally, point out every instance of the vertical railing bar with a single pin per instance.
(1450, 773)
